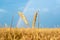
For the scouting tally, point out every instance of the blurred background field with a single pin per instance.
(29, 34)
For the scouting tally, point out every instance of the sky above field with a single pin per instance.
(49, 12)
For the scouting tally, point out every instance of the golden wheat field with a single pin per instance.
(29, 34)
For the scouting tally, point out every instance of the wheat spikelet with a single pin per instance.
(34, 20)
(23, 17)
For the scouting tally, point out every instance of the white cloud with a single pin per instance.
(3, 10)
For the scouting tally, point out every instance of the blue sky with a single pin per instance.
(49, 11)
(8, 8)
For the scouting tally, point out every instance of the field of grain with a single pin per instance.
(29, 34)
